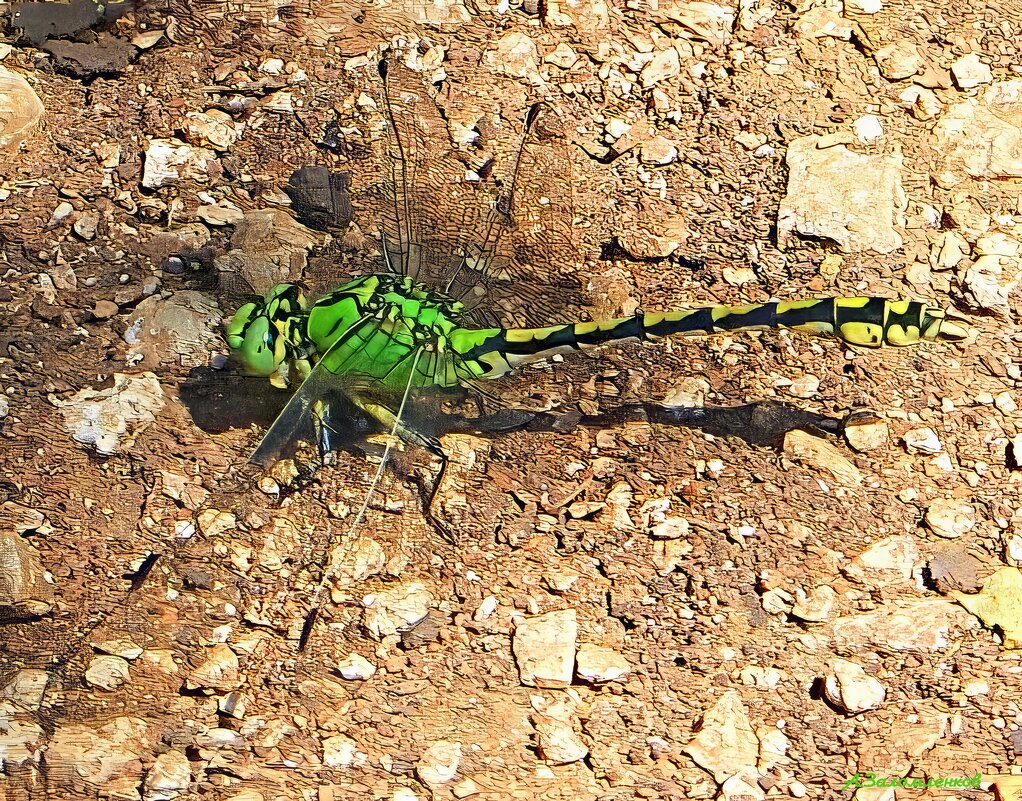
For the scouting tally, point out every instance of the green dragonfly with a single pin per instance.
(438, 307)
(435, 311)
(385, 335)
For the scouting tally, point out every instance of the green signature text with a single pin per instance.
(872, 780)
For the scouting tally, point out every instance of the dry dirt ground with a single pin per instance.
(722, 620)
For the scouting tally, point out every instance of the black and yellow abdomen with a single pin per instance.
(870, 322)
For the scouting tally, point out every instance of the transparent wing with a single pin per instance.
(330, 410)
(486, 219)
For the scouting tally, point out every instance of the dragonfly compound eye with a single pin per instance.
(253, 339)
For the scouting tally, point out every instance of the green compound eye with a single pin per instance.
(239, 322)
(253, 339)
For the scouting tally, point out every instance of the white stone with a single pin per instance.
(726, 742)
(486, 608)
(562, 56)
(969, 72)
(868, 128)
(26, 688)
(125, 649)
(107, 672)
(213, 128)
(21, 741)
(924, 440)
(863, 6)
(820, 454)
(659, 151)
(996, 272)
(855, 200)
(169, 776)
(168, 161)
(981, 137)
(20, 110)
(515, 55)
(672, 528)
(899, 60)
(974, 687)
(868, 436)
(926, 105)
(396, 609)
(598, 664)
(816, 605)
(219, 670)
(924, 626)
(438, 764)
(850, 688)
(743, 786)
(616, 128)
(339, 751)
(950, 518)
(820, 22)
(805, 386)
(109, 419)
(949, 249)
(465, 788)
(889, 561)
(665, 64)
(544, 648)
(709, 22)
(272, 66)
(1005, 403)
(557, 741)
(355, 667)
(756, 676)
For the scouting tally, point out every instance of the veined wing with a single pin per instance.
(324, 407)
(489, 227)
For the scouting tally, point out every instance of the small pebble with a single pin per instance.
(868, 128)
(104, 309)
(356, 667)
(969, 72)
(950, 518)
(1005, 403)
(850, 688)
(923, 439)
(438, 764)
(85, 226)
(868, 436)
(107, 672)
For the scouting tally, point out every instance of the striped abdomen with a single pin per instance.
(871, 322)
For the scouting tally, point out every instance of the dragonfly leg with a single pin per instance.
(326, 434)
(429, 498)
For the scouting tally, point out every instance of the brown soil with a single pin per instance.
(690, 634)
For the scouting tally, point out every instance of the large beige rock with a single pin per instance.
(856, 201)
(20, 110)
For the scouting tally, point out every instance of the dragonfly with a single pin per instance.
(440, 308)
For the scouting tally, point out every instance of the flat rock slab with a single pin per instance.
(833, 193)
(544, 647)
(981, 137)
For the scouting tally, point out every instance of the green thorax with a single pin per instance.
(378, 327)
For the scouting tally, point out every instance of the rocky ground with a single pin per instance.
(629, 610)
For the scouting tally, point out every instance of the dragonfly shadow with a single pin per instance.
(219, 400)
(763, 423)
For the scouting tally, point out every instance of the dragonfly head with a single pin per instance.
(266, 333)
